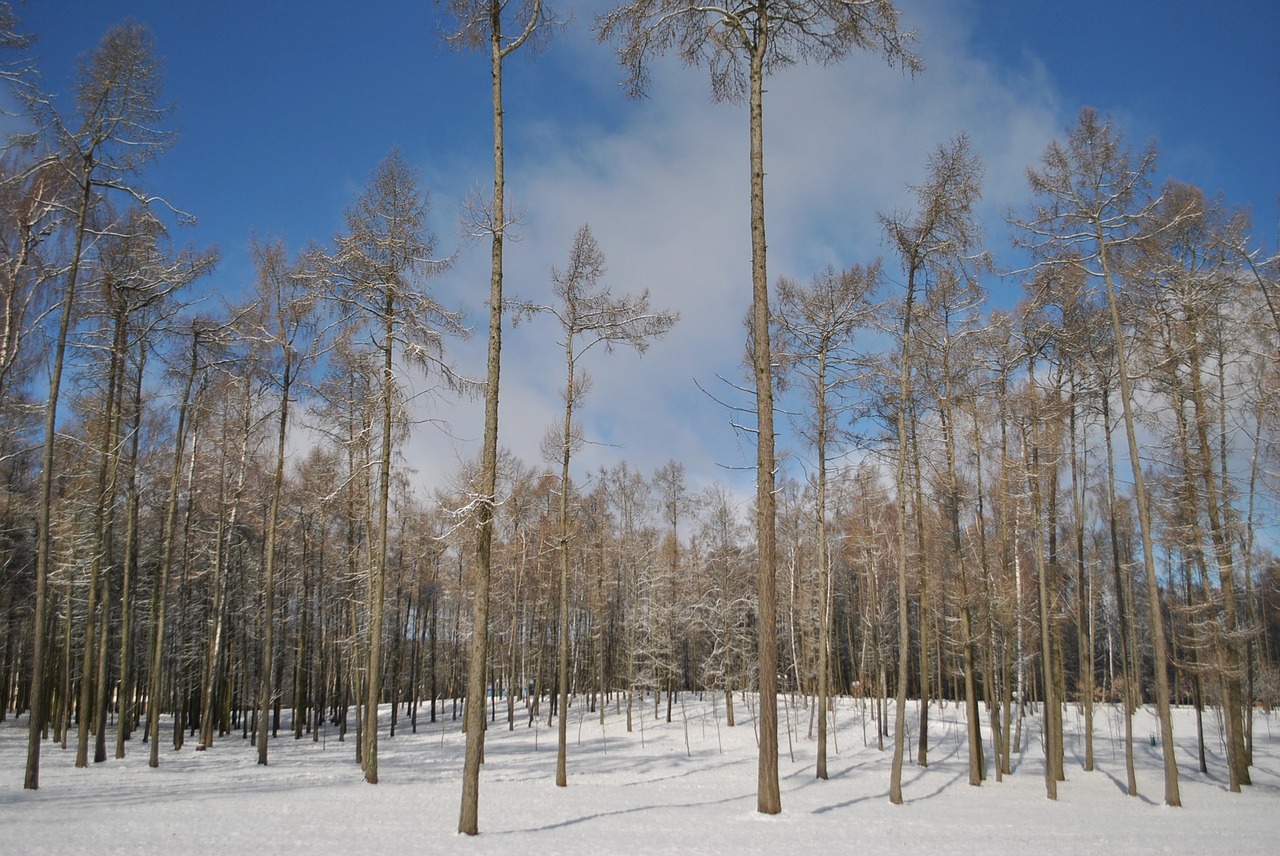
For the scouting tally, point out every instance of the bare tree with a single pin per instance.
(816, 327)
(487, 23)
(1093, 203)
(673, 504)
(117, 127)
(740, 44)
(951, 324)
(283, 325)
(722, 539)
(135, 271)
(588, 315)
(1185, 273)
(376, 274)
(183, 433)
(941, 231)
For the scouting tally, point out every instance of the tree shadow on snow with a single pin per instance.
(621, 812)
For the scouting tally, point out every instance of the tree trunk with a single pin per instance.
(900, 481)
(562, 672)
(1084, 587)
(44, 539)
(1233, 707)
(1049, 683)
(468, 820)
(266, 686)
(1172, 796)
(824, 571)
(768, 794)
(378, 567)
(102, 523)
(126, 704)
(168, 542)
(924, 640)
(1124, 610)
(226, 530)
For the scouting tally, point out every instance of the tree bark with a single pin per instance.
(1172, 795)
(168, 541)
(768, 794)
(44, 541)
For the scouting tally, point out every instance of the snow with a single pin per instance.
(685, 787)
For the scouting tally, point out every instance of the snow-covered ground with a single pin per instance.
(685, 787)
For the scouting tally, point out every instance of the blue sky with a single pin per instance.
(286, 107)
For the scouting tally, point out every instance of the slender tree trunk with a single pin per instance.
(44, 539)
(102, 521)
(1036, 482)
(993, 682)
(378, 567)
(1128, 656)
(468, 820)
(824, 570)
(119, 358)
(900, 480)
(1172, 795)
(917, 514)
(768, 794)
(168, 541)
(1084, 586)
(562, 744)
(126, 703)
(1233, 707)
(266, 686)
(977, 766)
(226, 530)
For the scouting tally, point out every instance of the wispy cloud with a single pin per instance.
(664, 186)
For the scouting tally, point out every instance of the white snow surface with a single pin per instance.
(687, 787)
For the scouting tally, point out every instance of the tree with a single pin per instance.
(630, 494)
(482, 23)
(135, 272)
(721, 541)
(816, 326)
(588, 315)
(740, 44)
(1040, 443)
(941, 232)
(673, 503)
(169, 538)
(283, 325)
(947, 336)
(376, 275)
(118, 126)
(238, 419)
(1093, 204)
(1184, 270)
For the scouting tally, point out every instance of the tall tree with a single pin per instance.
(1186, 271)
(948, 334)
(377, 273)
(136, 272)
(1094, 203)
(941, 231)
(588, 315)
(118, 126)
(673, 502)
(817, 325)
(200, 334)
(282, 323)
(739, 45)
(489, 23)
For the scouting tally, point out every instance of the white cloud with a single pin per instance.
(664, 188)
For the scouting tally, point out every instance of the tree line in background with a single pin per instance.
(959, 518)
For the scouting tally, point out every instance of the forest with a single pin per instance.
(209, 537)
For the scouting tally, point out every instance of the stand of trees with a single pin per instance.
(1062, 502)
